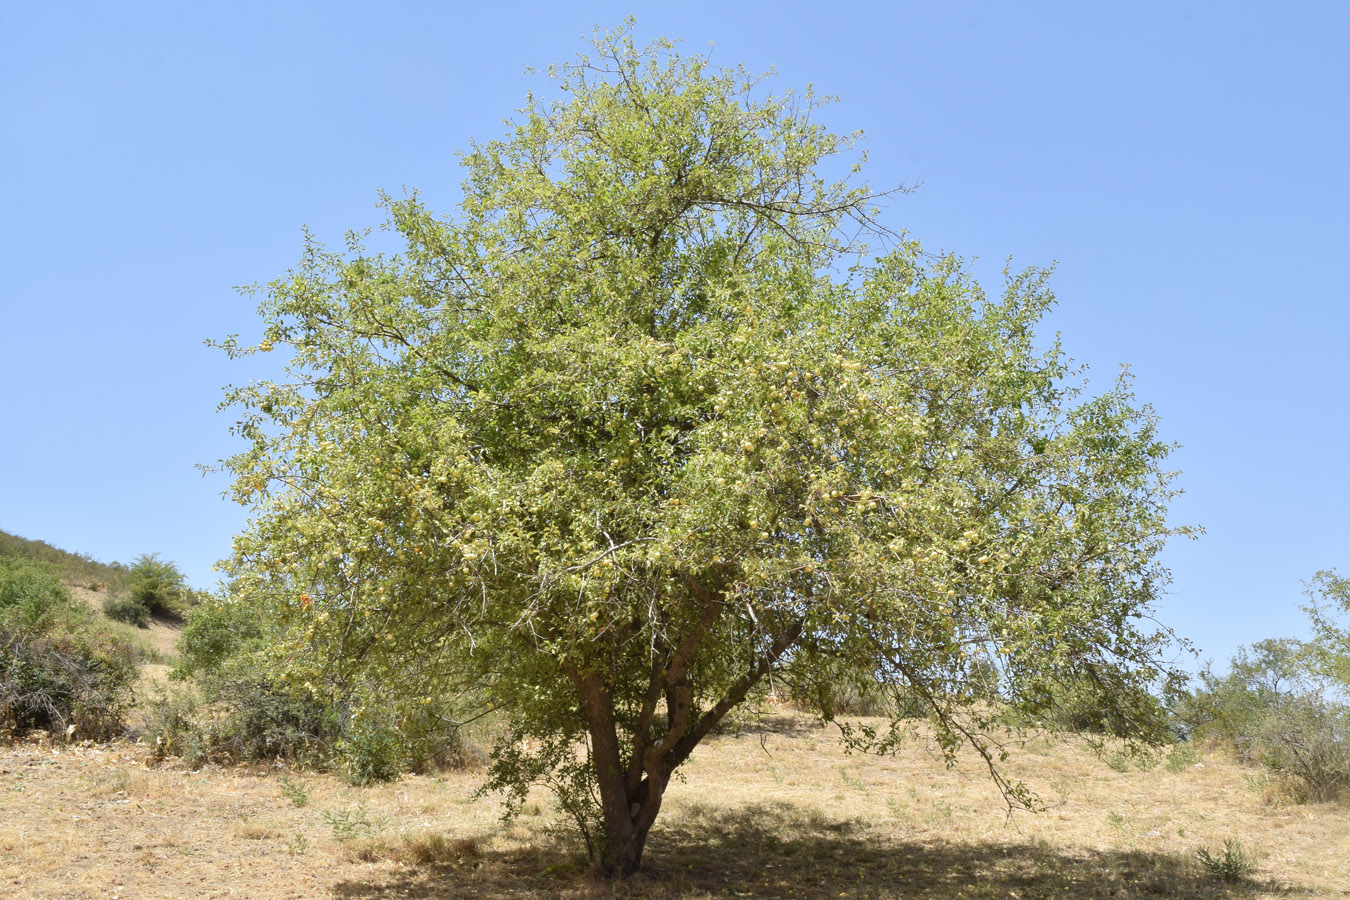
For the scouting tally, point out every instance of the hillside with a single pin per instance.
(92, 582)
(75, 568)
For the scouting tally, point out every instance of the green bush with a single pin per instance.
(57, 668)
(247, 701)
(153, 588)
(243, 712)
(1232, 864)
(1092, 704)
(70, 567)
(1182, 757)
(1270, 711)
(121, 608)
(371, 753)
(217, 629)
(159, 586)
(31, 594)
(238, 708)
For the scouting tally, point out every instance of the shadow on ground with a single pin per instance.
(771, 851)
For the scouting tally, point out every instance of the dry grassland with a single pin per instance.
(777, 810)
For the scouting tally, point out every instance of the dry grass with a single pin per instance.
(775, 812)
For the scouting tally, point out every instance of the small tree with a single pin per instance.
(158, 586)
(645, 427)
(1282, 703)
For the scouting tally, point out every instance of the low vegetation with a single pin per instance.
(66, 667)
(73, 568)
(154, 588)
(239, 700)
(59, 671)
(776, 809)
(1282, 705)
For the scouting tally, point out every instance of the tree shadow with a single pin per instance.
(779, 850)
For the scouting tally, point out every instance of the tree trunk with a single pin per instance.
(622, 856)
(627, 813)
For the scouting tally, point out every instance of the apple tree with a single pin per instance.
(661, 419)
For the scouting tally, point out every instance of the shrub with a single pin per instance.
(121, 608)
(57, 669)
(1269, 711)
(1091, 704)
(367, 754)
(242, 712)
(217, 629)
(295, 791)
(1232, 864)
(250, 702)
(71, 567)
(242, 708)
(1182, 757)
(31, 594)
(159, 586)
(64, 678)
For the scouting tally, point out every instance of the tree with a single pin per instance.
(155, 587)
(1329, 649)
(646, 429)
(1279, 706)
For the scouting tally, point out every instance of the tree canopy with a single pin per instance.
(662, 418)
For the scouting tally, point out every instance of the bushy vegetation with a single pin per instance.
(257, 693)
(1231, 864)
(153, 588)
(71, 567)
(233, 706)
(1282, 704)
(58, 669)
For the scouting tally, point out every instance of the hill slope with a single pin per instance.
(75, 568)
(92, 582)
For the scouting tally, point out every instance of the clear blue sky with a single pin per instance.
(1185, 163)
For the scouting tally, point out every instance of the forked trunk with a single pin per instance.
(628, 810)
(622, 855)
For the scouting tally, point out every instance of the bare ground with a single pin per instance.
(775, 811)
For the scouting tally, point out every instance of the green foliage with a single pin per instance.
(243, 712)
(121, 608)
(1181, 758)
(72, 567)
(57, 669)
(1329, 650)
(238, 706)
(348, 824)
(31, 594)
(645, 424)
(1232, 864)
(371, 753)
(247, 701)
(218, 629)
(159, 586)
(1094, 703)
(1272, 709)
(295, 791)
(151, 588)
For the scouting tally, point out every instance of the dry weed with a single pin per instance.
(779, 811)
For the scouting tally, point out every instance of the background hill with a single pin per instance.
(74, 568)
(95, 584)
